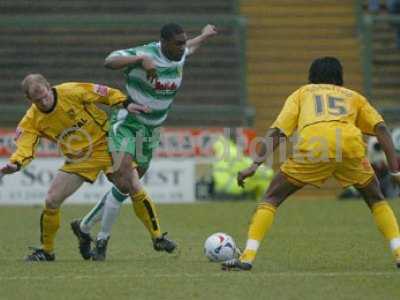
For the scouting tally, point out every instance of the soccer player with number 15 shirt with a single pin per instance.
(330, 121)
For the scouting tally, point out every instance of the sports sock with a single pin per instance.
(395, 246)
(97, 211)
(260, 224)
(387, 224)
(90, 219)
(49, 224)
(112, 206)
(145, 210)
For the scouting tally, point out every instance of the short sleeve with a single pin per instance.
(367, 117)
(288, 117)
(123, 52)
(96, 93)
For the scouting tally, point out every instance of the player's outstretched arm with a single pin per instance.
(207, 32)
(116, 62)
(267, 147)
(386, 142)
(97, 93)
(135, 109)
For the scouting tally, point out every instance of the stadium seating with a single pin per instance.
(70, 42)
(102, 7)
(386, 67)
(381, 57)
(284, 37)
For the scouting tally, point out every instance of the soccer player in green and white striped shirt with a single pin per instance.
(153, 74)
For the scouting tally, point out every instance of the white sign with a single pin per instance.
(171, 180)
(167, 181)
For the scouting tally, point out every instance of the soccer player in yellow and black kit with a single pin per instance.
(330, 121)
(66, 114)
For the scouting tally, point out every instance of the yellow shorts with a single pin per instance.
(349, 171)
(90, 166)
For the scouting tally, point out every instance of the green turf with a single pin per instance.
(315, 250)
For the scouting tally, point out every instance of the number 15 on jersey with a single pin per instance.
(332, 105)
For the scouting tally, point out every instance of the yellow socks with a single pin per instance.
(49, 224)
(265, 213)
(260, 224)
(387, 224)
(145, 210)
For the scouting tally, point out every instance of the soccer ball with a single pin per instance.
(220, 247)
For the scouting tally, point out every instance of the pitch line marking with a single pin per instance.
(194, 275)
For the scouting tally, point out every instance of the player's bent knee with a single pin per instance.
(136, 187)
(123, 181)
(123, 172)
(372, 193)
(53, 200)
(274, 201)
(274, 198)
(373, 199)
(123, 186)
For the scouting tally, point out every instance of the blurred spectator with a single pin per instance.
(374, 6)
(229, 161)
(393, 8)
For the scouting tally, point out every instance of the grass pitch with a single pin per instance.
(315, 250)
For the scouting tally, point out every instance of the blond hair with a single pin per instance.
(32, 82)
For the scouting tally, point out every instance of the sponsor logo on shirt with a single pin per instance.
(166, 86)
(74, 128)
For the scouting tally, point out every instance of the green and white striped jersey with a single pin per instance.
(159, 95)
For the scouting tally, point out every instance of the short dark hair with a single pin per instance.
(168, 31)
(326, 70)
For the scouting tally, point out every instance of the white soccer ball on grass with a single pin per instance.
(220, 247)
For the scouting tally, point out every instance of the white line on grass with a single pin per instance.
(197, 275)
